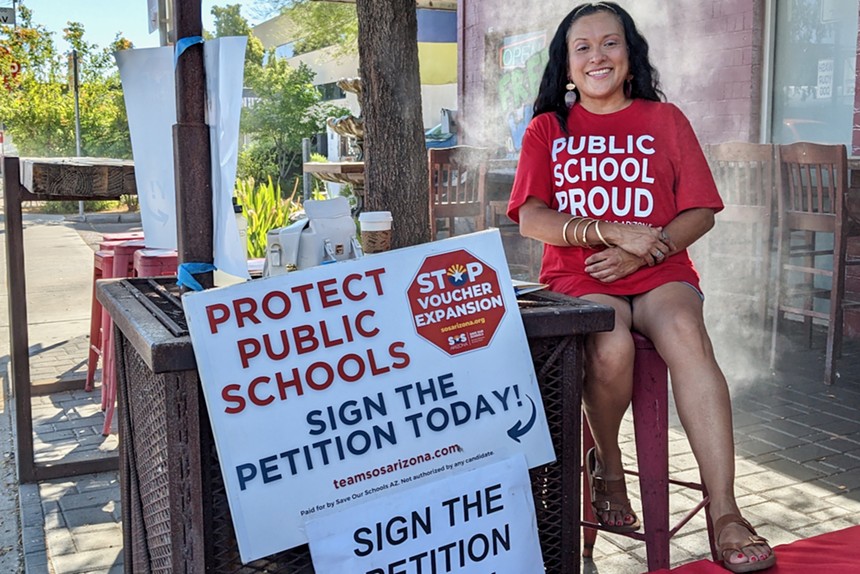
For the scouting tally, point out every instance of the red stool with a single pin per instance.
(123, 266)
(123, 257)
(155, 262)
(102, 269)
(651, 428)
(122, 236)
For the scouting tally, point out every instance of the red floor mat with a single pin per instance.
(832, 553)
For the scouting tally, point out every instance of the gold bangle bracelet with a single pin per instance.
(600, 235)
(564, 231)
(575, 230)
(585, 231)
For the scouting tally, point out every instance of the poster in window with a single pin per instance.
(824, 88)
(522, 59)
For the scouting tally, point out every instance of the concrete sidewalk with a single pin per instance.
(798, 442)
(69, 525)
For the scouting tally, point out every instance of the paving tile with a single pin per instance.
(59, 542)
(806, 452)
(755, 447)
(842, 461)
(87, 561)
(849, 501)
(85, 516)
(843, 426)
(54, 520)
(826, 526)
(763, 482)
(36, 563)
(33, 538)
(776, 438)
(93, 537)
(616, 563)
(789, 426)
(91, 498)
(741, 420)
(31, 515)
(794, 470)
(849, 480)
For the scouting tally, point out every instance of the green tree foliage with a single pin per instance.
(230, 22)
(37, 104)
(287, 110)
(320, 24)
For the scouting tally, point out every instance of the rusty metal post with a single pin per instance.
(191, 149)
(19, 352)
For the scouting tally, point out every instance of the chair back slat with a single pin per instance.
(743, 172)
(457, 182)
(734, 257)
(814, 177)
(814, 229)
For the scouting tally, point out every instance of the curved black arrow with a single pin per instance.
(518, 430)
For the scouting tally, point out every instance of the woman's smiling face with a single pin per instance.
(598, 62)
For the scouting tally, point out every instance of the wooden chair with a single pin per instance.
(734, 258)
(813, 231)
(457, 182)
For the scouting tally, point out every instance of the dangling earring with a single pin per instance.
(628, 87)
(570, 95)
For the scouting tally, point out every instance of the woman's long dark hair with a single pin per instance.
(645, 83)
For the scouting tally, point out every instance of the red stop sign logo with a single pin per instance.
(456, 302)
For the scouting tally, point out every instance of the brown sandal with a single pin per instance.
(730, 547)
(608, 496)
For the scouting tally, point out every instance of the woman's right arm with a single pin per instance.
(540, 222)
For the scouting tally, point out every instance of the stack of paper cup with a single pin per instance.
(375, 231)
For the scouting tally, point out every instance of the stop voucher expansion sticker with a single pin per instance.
(456, 302)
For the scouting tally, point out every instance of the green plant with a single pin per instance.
(131, 202)
(264, 210)
(67, 207)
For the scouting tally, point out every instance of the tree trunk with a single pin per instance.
(395, 161)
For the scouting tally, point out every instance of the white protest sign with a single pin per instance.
(332, 385)
(477, 522)
(149, 88)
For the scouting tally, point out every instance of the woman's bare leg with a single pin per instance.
(671, 316)
(607, 391)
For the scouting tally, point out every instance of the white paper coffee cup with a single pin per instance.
(375, 231)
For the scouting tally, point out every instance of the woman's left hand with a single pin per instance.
(612, 264)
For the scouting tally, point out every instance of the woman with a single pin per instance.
(614, 182)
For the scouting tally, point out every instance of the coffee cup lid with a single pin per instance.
(374, 216)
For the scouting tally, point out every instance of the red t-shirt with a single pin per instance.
(642, 164)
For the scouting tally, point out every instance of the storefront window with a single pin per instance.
(813, 94)
(522, 59)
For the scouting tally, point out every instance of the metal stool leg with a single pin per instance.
(651, 428)
(651, 424)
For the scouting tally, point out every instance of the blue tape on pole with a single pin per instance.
(186, 272)
(183, 44)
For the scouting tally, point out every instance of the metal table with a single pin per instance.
(47, 179)
(175, 512)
